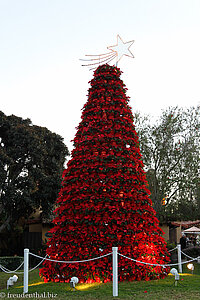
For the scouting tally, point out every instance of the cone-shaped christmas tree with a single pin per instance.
(104, 201)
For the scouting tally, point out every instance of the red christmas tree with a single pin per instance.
(104, 200)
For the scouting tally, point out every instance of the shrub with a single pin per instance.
(11, 262)
(192, 251)
(170, 245)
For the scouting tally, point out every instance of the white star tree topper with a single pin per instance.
(117, 51)
(122, 48)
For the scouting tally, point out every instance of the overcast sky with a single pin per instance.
(41, 42)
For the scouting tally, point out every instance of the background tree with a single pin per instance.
(170, 149)
(31, 164)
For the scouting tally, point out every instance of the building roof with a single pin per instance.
(185, 224)
(192, 229)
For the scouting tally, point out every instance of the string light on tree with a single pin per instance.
(164, 201)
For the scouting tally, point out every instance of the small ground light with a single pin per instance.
(190, 267)
(11, 280)
(174, 272)
(73, 281)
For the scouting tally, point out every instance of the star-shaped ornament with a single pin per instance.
(116, 52)
(122, 48)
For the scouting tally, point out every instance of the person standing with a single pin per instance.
(183, 241)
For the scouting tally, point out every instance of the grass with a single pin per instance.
(187, 288)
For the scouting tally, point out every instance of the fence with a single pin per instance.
(114, 254)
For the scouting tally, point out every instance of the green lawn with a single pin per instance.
(188, 288)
